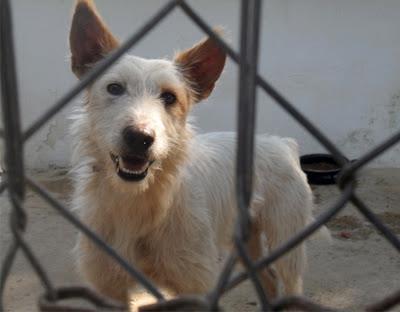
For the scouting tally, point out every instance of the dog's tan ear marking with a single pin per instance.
(202, 65)
(90, 40)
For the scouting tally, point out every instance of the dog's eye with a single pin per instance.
(115, 89)
(168, 98)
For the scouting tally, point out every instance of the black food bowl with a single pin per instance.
(321, 169)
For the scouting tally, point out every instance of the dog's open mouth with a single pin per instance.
(131, 168)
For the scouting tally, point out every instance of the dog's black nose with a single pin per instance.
(138, 140)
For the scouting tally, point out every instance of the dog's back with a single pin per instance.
(212, 159)
(281, 203)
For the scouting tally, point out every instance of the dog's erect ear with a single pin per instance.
(202, 65)
(89, 39)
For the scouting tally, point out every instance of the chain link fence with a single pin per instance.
(17, 181)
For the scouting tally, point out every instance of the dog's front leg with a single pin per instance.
(102, 272)
(189, 272)
(196, 278)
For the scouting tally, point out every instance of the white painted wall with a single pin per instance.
(337, 60)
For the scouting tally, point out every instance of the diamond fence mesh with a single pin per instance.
(17, 181)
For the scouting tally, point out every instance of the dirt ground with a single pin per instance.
(358, 267)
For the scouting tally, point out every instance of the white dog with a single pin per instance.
(160, 195)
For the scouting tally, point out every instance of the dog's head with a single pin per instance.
(138, 109)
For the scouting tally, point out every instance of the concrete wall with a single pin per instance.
(337, 60)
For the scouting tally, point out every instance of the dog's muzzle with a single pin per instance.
(131, 168)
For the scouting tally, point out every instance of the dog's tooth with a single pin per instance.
(120, 167)
(130, 171)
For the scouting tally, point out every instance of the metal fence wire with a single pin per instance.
(16, 180)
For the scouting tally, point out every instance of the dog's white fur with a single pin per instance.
(173, 224)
